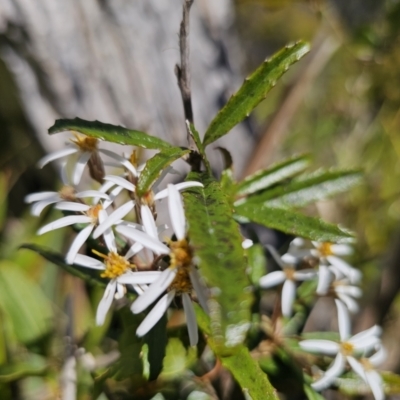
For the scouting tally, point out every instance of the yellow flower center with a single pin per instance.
(116, 265)
(133, 159)
(181, 258)
(67, 193)
(325, 249)
(85, 143)
(289, 272)
(93, 212)
(347, 348)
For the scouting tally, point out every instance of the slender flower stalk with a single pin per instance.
(180, 278)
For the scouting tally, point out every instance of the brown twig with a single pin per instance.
(183, 71)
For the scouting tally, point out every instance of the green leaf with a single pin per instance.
(273, 175)
(196, 137)
(24, 303)
(253, 91)
(309, 189)
(111, 133)
(257, 263)
(33, 365)
(156, 339)
(311, 393)
(292, 222)
(217, 243)
(155, 165)
(247, 372)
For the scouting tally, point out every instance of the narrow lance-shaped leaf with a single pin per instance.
(111, 133)
(292, 222)
(154, 167)
(275, 174)
(253, 91)
(246, 370)
(217, 243)
(308, 189)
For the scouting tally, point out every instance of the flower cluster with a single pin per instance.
(153, 268)
(334, 277)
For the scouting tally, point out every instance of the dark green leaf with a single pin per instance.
(292, 222)
(217, 242)
(306, 190)
(24, 303)
(156, 340)
(257, 263)
(273, 175)
(155, 165)
(111, 133)
(253, 91)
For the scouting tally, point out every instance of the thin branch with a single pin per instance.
(183, 71)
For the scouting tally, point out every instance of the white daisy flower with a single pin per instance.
(328, 254)
(90, 215)
(41, 200)
(179, 278)
(85, 147)
(346, 351)
(119, 270)
(288, 276)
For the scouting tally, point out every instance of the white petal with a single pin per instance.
(353, 291)
(201, 291)
(154, 291)
(155, 314)
(272, 279)
(324, 280)
(353, 274)
(247, 243)
(113, 194)
(176, 212)
(120, 292)
(304, 275)
(80, 166)
(71, 206)
(376, 384)
(88, 262)
(57, 154)
(105, 302)
(357, 367)
(366, 344)
(120, 182)
(65, 221)
(108, 234)
(30, 198)
(327, 347)
(349, 302)
(374, 331)
(92, 193)
(331, 374)
(342, 249)
(127, 164)
(148, 221)
(133, 250)
(139, 278)
(190, 319)
(78, 243)
(288, 296)
(114, 217)
(289, 259)
(178, 186)
(143, 238)
(38, 207)
(343, 321)
(379, 357)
